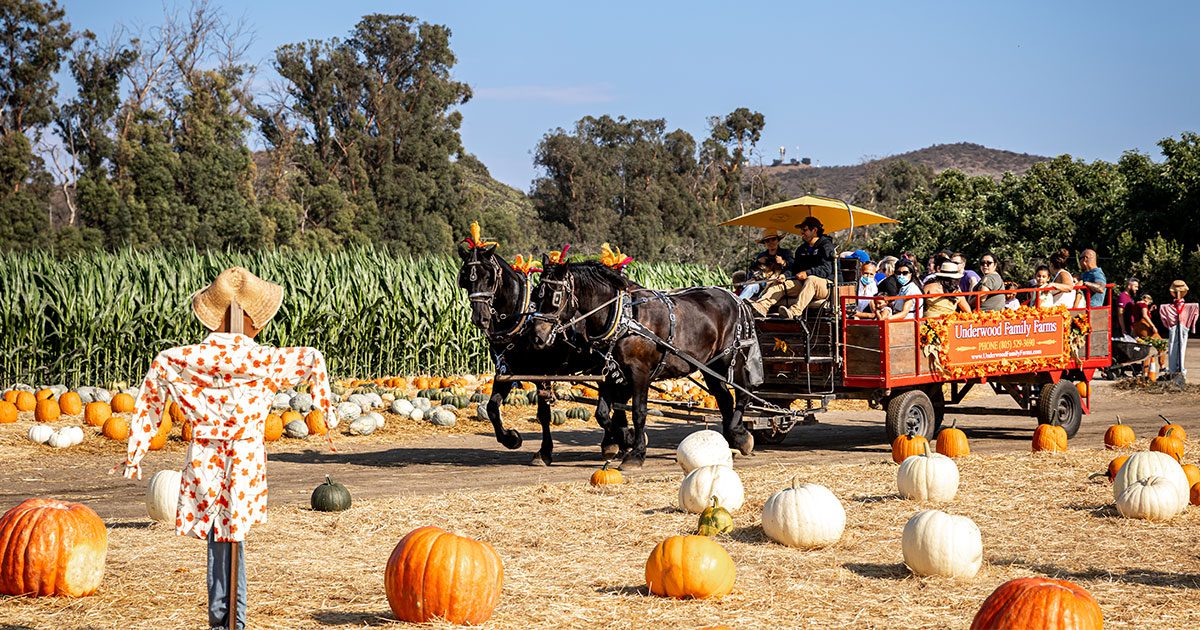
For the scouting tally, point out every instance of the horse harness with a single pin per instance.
(522, 314)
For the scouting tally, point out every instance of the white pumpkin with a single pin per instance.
(364, 425)
(281, 401)
(443, 417)
(401, 407)
(347, 410)
(40, 433)
(102, 395)
(704, 483)
(74, 434)
(421, 402)
(1154, 498)
(377, 418)
(481, 411)
(162, 495)
(804, 515)
(1151, 464)
(941, 544)
(703, 448)
(58, 439)
(928, 477)
(417, 413)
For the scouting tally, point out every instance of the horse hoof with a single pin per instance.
(744, 443)
(538, 461)
(632, 462)
(511, 440)
(610, 451)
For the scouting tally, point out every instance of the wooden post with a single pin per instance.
(233, 585)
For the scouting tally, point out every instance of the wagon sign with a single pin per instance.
(1035, 337)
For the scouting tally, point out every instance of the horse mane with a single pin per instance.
(595, 272)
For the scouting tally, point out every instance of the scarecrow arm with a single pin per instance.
(298, 364)
(147, 412)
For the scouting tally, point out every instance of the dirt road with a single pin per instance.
(449, 463)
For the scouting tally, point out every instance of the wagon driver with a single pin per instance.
(812, 271)
(224, 386)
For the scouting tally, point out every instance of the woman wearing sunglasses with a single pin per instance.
(990, 280)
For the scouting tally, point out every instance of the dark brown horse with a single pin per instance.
(501, 308)
(637, 329)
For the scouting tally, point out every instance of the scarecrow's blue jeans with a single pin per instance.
(220, 554)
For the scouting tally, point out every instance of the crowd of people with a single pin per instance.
(784, 283)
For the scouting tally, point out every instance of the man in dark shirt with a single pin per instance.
(812, 271)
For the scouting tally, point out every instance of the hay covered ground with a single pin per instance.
(574, 556)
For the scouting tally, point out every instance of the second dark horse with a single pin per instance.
(629, 324)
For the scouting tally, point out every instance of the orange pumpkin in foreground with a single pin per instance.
(690, 567)
(8, 412)
(71, 404)
(433, 574)
(907, 445)
(116, 428)
(51, 547)
(47, 411)
(1168, 443)
(1119, 435)
(1193, 474)
(10, 396)
(123, 403)
(95, 414)
(1115, 465)
(272, 428)
(952, 442)
(1049, 437)
(1195, 494)
(315, 420)
(44, 394)
(1038, 602)
(1173, 428)
(25, 401)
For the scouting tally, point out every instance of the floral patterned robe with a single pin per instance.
(224, 386)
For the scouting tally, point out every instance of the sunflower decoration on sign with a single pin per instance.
(475, 241)
(612, 257)
(527, 266)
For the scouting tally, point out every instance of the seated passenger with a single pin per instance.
(768, 265)
(906, 306)
(1011, 302)
(990, 281)
(866, 288)
(1041, 279)
(945, 280)
(812, 271)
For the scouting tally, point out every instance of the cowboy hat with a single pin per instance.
(257, 297)
(1179, 285)
(949, 270)
(768, 234)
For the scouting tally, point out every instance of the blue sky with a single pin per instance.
(837, 82)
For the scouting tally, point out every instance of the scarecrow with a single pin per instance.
(1179, 317)
(224, 386)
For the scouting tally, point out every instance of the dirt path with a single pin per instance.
(461, 462)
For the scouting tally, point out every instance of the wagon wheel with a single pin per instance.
(1060, 404)
(911, 412)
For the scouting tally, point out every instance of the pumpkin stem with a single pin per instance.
(1118, 418)
(1098, 474)
(1164, 418)
(605, 465)
(924, 449)
(328, 481)
(714, 500)
(795, 482)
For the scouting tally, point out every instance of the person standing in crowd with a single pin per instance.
(812, 271)
(1092, 278)
(970, 278)
(1179, 317)
(1124, 312)
(990, 281)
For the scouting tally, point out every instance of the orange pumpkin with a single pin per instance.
(421, 382)
(952, 442)
(51, 547)
(177, 414)
(607, 476)
(1115, 465)
(25, 401)
(71, 404)
(1168, 443)
(97, 413)
(122, 403)
(1173, 428)
(1049, 437)
(272, 428)
(1195, 494)
(116, 428)
(8, 412)
(1119, 436)
(159, 439)
(44, 394)
(47, 411)
(10, 396)
(1038, 602)
(186, 432)
(907, 445)
(1084, 388)
(291, 416)
(1193, 474)
(433, 574)
(690, 567)
(316, 422)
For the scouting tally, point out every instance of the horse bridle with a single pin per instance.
(488, 297)
(564, 296)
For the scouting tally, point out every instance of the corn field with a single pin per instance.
(101, 318)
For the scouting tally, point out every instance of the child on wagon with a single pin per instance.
(224, 386)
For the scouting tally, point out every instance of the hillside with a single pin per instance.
(844, 181)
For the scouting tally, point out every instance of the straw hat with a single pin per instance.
(769, 233)
(258, 298)
(1179, 285)
(949, 270)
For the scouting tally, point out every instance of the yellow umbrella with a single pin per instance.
(834, 214)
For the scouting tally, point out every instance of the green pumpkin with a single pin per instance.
(558, 417)
(532, 396)
(516, 397)
(579, 413)
(330, 497)
(479, 397)
(563, 393)
(460, 402)
(715, 520)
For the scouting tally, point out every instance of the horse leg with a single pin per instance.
(510, 438)
(636, 456)
(731, 415)
(545, 454)
(613, 421)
